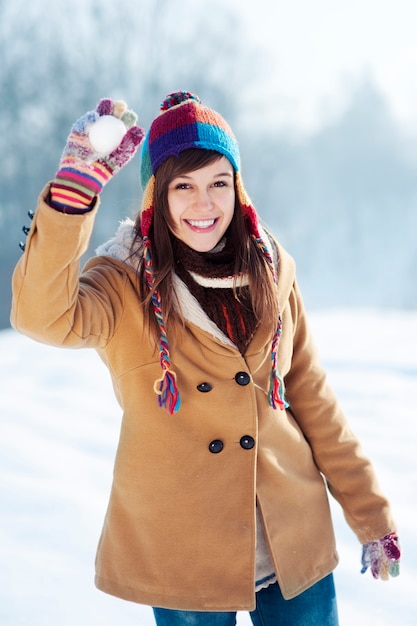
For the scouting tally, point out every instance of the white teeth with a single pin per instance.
(201, 223)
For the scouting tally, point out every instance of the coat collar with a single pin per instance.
(119, 247)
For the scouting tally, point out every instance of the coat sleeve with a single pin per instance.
(338, 454)
(50, 302)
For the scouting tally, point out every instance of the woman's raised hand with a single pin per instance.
(100, 143)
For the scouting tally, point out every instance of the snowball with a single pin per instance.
(106, 134)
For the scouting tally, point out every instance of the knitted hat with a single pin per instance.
(184, 123)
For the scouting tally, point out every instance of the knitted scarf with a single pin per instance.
(209, 277)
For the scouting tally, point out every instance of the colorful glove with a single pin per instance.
(382, 556)
(99, 145)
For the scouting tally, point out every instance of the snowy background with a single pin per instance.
(323, 98)
(58, 434)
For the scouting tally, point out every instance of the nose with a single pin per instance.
(203, 201)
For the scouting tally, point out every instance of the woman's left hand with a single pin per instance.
(382, 556)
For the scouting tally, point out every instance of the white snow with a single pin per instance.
(106, 134)
(58, 434)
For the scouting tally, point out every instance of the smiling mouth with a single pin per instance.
(201, 224)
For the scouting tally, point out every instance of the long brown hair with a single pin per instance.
(248, 256)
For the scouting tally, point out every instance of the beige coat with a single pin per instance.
(180, 526)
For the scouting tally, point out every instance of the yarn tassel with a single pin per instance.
(167, 391)
(165, 387)
(276, 386)
(276, 394)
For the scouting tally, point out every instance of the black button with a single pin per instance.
(247, 442)
(216, 446)
(204, 387)
(242, 378)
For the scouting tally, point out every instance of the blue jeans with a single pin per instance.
(315, 607)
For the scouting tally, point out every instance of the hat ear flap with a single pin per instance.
(146, 216)
(248, 209)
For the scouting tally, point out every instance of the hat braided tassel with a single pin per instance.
(166, 386)
(276, 386)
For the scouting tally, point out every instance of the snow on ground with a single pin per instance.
(58, 433)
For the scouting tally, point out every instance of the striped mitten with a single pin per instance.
(100, 143)
(382, 556)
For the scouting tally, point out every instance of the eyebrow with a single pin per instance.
(219, 175)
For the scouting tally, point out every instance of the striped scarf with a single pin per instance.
(209, 277)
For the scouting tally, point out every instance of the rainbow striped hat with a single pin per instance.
(184, 123)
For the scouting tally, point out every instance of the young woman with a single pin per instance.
(230, 433)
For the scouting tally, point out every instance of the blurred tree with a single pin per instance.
(344, 202)
(59, 59)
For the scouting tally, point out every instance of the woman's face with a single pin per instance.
(201, 204)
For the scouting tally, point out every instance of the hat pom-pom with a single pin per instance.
(176, 98)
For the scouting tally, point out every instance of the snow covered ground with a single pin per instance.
(58, 434)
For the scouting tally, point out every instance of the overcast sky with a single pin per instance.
(320, 49)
